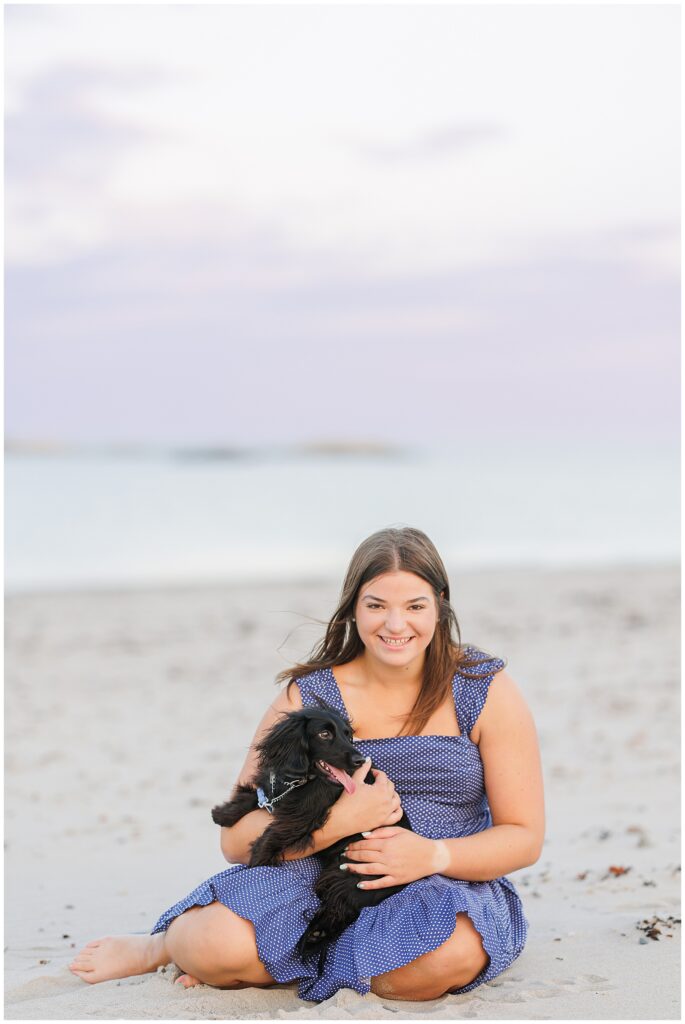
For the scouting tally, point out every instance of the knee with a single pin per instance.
(410, 985)
(466, 971)
(401, 988)
(216, 946)
(418, 981)
(452, 970)
(453, 965)
(464, 955)
(182, 941)
(196, 944)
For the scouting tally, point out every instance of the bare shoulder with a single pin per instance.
(349, 674)
(504, 708)
(288, 699)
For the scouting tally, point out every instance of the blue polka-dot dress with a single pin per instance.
(440, 782)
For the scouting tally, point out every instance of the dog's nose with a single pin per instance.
(358, 760)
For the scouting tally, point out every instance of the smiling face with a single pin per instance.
(396, 617)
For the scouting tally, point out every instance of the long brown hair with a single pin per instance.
(393, 550)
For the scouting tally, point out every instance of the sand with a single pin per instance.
(128, 716)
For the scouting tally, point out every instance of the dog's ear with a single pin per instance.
(333, 712)
(328, 709)
(285, 748)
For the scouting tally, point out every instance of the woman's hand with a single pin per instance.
(368, 807)
(398, 855)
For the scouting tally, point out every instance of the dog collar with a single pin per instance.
(268, 804)
(263, 801)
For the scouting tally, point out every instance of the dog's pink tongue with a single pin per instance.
(342, 777)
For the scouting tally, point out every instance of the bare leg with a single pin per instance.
(120, 956)
(210, 944)
(215, 946)
(456, 963)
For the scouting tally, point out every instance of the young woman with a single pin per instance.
(455, 747)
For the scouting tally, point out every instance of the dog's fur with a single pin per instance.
(293, 749)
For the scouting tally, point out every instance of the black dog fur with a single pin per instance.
(292, 750)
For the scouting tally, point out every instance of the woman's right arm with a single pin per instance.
(236, 840)
(368, 807)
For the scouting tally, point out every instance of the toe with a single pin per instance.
(187, 980)
(84, 975)
(83, 962)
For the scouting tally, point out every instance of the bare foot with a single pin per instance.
(120, 956)
(187, 980)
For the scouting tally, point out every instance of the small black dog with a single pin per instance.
(303, 762)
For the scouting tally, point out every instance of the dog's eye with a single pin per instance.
(325, 734)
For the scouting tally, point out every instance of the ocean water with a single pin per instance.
(96, 521)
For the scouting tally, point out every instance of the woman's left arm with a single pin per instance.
(510, 753)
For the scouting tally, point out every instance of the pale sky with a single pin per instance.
(249, 224)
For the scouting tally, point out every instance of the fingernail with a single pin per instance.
(366, 834)
(360, 885)
(344, 867)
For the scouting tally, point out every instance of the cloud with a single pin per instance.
(61, 134)
(647, 231)
(450, 140)
(408, 163)
(233, 335)
(251, 273)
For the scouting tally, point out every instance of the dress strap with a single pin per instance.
(319, 689)
(471, 687)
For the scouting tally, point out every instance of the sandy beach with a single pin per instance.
(128, 714)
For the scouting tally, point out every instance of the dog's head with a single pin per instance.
(313, 741)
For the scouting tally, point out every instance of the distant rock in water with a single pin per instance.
(16, 446)
(125, 450)
(215, 454)
(132, 450)
(373, 448)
